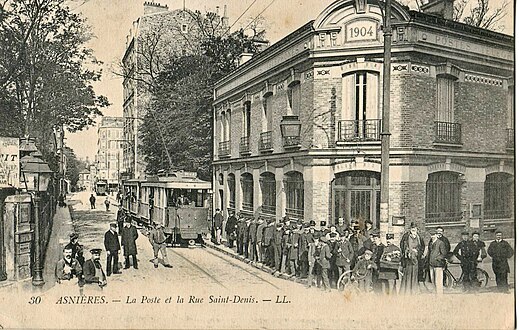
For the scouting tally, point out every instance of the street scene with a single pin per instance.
(253, 164)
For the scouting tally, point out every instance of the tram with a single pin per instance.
(101, 187)
(179, 201)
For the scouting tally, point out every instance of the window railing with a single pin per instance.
(265, 142)
(448, 132)
(359, 130)
(245, 145)
(291, 141)
(295, 213)
(510, 138)
(497, 214)
(224, 149)
(247, 206)
(442, 217)
(268, 209)
(232, 204)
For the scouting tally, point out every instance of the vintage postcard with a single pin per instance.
(257, 164)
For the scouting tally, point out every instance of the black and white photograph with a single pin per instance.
(257, 164)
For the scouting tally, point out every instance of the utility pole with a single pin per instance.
(385, 134)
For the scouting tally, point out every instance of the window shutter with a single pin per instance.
(348, 97)
(372, 97)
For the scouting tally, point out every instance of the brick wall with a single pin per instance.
(326, 91)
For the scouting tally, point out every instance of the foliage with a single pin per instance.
(182, 103)
(480, 14)
(46, 71)
(74, 166)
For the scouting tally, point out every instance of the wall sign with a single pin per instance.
(9, 162)
(361, 30)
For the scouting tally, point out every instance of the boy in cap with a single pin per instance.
(363, 271)
(437, 252)
(158, 242)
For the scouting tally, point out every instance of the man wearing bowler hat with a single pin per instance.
(112, 247)
(129, 235)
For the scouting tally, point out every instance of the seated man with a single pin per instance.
(68, 270)
(93, 271)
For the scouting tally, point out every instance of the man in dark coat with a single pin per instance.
(324, 261)
(128, 237)
(437, 253)
(240, 232)
(112, 247)
(92, 270)
(92, 200)
(268, 243)
(230, 229)
(260, 231)
(121, 217)
(245, 247)
(277, 242)
(252, 241)
(217, 223)
(467, 252)
(500, 251)
(77, 249)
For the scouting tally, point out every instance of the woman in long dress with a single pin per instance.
(412, 247)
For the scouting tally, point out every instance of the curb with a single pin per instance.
(261, 267)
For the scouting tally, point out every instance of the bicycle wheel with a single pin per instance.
(482, 278)
(448, 279)
(344, 281)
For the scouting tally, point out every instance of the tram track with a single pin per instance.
(199, 268)
(240, 267)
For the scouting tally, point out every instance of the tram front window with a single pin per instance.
(185, 197)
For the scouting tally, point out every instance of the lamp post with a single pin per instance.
(385, 134)
(291, 131)
(37, 176)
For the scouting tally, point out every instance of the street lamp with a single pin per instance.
(37, 175)
(291, 131)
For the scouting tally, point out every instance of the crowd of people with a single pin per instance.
(319, 256)
(74, 270)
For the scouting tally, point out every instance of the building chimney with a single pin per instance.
(151, 7)
(244, 57)
(442, 8)
(225, 19)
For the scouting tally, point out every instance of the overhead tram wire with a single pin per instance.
(255, 18)
(239, 17)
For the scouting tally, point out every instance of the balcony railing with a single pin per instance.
(359, 130)
(268, 209)
(497, 214)
(295, 213)
(291, 141)
(510, 140)
(442, 217)
(448, 132)
(247, 206)
(224, 149)
(265, 143)
(245, 145)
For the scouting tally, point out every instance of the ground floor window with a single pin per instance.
(268, 192)
(356, 197)
(442, 201)
(231, 183)
(247, 186)
(295, 193)
(499, 196)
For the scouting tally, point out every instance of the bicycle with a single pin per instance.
(450, 281)
(349, 283)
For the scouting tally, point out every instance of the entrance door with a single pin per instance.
(357, 196)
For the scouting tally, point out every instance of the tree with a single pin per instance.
(46, 71)
(480, 14)
(182, 102)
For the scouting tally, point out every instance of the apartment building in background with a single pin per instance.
(110, 145)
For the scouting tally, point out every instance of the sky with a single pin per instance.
(111, 20)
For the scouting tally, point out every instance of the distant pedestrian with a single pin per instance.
(93, 271)
(92, 200)
(107, 204)
(77, 249)
(112, 247)
(500, 251)
(217, 224)
(158, 242)
(121, 217)
(129, 236)
(61, 201)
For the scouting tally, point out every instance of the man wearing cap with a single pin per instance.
(305, 239)
(260, 230)
(217, 223)
(277, 242)
(77, 249)
(268, 243)
(313, 255)
(500, 251)
(324, 262)
(112, 247)
(230, 229)
(67, 269)
(129, 236)
(467, 252)
(93, 271)
(437, 252)
(378, 251)
(158, 242)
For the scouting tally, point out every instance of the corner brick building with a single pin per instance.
(451, 123)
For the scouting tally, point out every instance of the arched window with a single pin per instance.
(247, 186)
(295, 195)
(294, 98)
(268, 192)
(499, 196)
(442, 203)
(231, 183)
